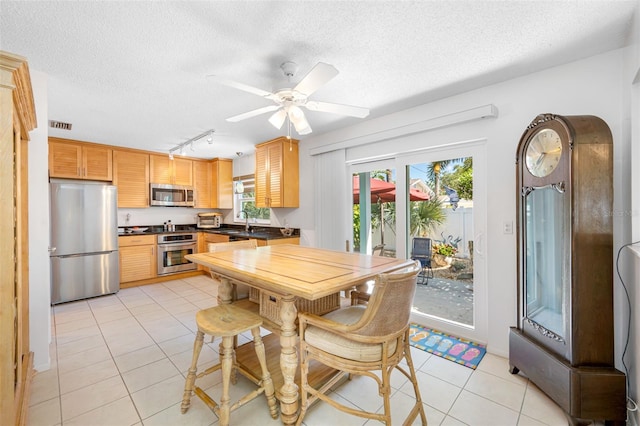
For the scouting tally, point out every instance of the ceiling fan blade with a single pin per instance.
(244, 87)
(299, 120)
(316, 78)
(253, 113)
(278, 118)
(352, 111)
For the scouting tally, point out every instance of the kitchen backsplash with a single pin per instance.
(187, 215)
(159, 215)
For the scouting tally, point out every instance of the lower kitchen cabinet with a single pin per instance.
(138, 258)
(277, 241)
(204, 239)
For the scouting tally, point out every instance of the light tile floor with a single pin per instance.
(122, 360)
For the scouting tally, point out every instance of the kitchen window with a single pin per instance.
(244, 200)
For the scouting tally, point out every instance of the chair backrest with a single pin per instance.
(421, 248)
(379, 247)
(232, 245)
(390, 303)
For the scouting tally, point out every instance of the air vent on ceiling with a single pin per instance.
(59, 125)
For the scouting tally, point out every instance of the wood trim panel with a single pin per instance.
(7, 251)
(17, 119)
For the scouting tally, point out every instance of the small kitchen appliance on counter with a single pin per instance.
(209, 220)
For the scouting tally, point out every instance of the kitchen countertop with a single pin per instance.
(257, 232)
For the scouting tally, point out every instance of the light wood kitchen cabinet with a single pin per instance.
(178, 171)
(277, 241)
(277, 173)
(222, 189)
(138, 257)
(74, 160)
(131, 176)
(17, 119)
(203, 184)
(213, 181)
(204, 238)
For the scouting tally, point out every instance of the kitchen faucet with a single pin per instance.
(246, 217)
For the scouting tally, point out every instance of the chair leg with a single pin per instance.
(385, 390)
(304, 371)
(430, 274)
(234, 367)
(191, 377)
(227, 365)
(267, 383)
(414, 380)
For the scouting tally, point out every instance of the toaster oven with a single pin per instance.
(209, 220)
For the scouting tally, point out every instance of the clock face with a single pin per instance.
(543, 152)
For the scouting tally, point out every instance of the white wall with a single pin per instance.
(591, 86)
(39, 277)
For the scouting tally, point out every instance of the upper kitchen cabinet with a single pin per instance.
(131, 176)
(74, 160)
(222, 189)
(277, 173)
(178, 171)
(202, 182)
(213, 183)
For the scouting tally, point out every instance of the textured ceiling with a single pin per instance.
(134, 73)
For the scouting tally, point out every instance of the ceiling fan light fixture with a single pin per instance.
(277, 119)
(288, 101)
(296, 116)
(295, 113)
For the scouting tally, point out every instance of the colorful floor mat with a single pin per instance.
(454, 349)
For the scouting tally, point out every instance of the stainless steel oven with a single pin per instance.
(172, 249)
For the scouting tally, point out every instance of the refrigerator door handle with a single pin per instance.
(52, 249)
(66, 256)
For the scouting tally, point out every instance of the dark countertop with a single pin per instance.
(238, 231)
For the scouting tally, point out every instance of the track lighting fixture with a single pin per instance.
(180, 147)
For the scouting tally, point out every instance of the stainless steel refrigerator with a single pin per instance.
(84, 240)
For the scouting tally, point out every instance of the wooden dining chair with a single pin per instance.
(240, 291)
(363, 340)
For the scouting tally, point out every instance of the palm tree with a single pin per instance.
(434, 169)
(424, 216)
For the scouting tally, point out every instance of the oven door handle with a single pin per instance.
(176, 246)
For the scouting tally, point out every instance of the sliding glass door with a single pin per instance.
(440, 195)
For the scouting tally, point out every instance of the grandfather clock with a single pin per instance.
(564, 340)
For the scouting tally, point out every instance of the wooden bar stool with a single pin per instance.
(228, 321)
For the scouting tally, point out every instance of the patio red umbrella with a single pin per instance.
(384, 192)
(377, 186)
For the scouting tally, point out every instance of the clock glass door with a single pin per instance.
(546, 290)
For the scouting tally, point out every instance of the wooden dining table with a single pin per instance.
(290, 272)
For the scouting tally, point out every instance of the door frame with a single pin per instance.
(477, 150)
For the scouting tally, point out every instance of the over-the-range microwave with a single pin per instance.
(171, 195)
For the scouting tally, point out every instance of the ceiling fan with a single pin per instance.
(288, 101)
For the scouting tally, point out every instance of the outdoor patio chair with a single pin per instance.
(363, 340)
(421, 252)
(379, 247)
